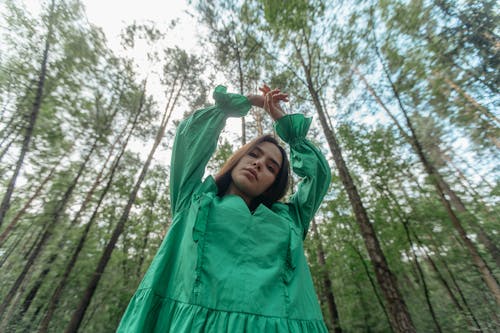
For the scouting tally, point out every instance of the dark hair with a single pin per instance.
(275, 192)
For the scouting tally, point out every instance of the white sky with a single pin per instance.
(114, 15)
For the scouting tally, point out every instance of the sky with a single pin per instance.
(113, 15)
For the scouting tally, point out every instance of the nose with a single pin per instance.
(257, 164)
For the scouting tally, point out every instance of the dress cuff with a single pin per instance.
(234, 105)
(292, 127)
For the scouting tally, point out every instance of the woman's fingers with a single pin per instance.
(272, 96)
(280, 97)
(265, 88)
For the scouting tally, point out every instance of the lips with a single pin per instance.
(253, 172)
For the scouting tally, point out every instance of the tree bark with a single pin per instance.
(56, 295)
(399, 315)
(429, 260)
(446, 285)
(145, 239)
(48, 232)
(79, 313)
(5, 205)
(482, 236)
(240, 79)
(434, 176)
(373, 285)
(327, 282)
(21, 212)
(422, 278)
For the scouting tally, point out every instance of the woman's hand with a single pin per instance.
(269, 101)
(272, 99)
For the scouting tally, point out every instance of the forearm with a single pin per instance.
(258, 101)
(196, 140)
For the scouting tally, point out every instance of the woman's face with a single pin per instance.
(256, 171)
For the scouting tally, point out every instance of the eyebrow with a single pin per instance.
(272, 159)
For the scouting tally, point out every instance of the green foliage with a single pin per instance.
(440, 57)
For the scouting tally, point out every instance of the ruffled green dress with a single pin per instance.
(222, 268)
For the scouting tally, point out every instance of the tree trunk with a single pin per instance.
(432, 263)
(4, 207)
(21, 212)
(373, 285)
(327, 283)
(56, 295)
(422, 278)
(443, 281)
(258, 122)
(17, 288)
(434, 176)
(79, 313)
(6, 254)
(145, 240)
(398, 312)
(240, 78)
(472, 101)
(49, 229)
(482, 236)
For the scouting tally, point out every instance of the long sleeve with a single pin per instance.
(195, 142)
(307, 162)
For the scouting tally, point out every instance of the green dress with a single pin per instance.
(222, 268)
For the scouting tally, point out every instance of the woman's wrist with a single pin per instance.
(277, 114)
(256, 100)
(259, 101)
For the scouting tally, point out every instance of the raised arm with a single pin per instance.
(195, 142)
(307, 162)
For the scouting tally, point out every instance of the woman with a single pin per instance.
(233, 259)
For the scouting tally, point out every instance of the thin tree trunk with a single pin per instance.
(258, 122)
(443, 281)
(5, 205)
(398, 312)
(468, 186)
(364, 306)
(48, 266)
(79, 313)
(429, 259)
(434, 176)
(472, 101)
(240, 78)
(23, 210)
(327, 282)
(49, 230)
(12, 247)
(9, 313)
(373, 285)
(145, 240)
(422, 278)
(56, 295)
(15, 293)
(482, 236)
(490, 186)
